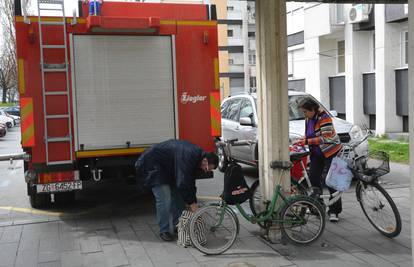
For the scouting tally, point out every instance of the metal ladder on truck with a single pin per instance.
(57, 7)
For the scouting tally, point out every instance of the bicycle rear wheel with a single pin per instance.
(379, 208)
(302, 220)
(221, 229)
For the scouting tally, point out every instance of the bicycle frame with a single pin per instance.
(267, 215)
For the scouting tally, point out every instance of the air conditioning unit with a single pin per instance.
(359, 13)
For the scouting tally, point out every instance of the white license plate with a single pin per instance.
(59, 187)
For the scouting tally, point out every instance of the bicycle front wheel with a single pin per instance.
(220, 229)
(302, 220)
(379, 208)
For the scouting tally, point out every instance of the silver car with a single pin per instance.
(239, 120)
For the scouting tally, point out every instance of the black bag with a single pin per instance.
(236, 190)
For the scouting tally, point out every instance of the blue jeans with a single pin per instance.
(92, 8)
(169, 205)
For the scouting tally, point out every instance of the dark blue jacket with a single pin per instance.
(172, 162)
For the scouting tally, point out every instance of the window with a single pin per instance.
(224, 108)
(252, 59)
(231, 61)
(230, 8)
(233, 110)
(246, 109)
(404, 48)
(341, 56)
(251, 34)
(253, 82)
(229, 33)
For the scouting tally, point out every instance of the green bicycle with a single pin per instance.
(301, 218)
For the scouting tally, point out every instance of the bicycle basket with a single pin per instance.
(375, 165)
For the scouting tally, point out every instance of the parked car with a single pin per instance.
(9, 122)
(3, 129)
(15, 110)
(16, 119)
(239, 120)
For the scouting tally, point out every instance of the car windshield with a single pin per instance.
(294, 112)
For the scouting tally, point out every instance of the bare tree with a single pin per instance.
(8, 62)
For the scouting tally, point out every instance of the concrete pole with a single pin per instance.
(411, 110)
(271, 65)
(387, 37)
(357, 44)
(245, 35)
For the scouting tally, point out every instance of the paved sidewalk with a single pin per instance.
(125, 234)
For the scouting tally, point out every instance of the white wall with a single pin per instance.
(327, 67)
(317, 20)
(357, 51)
(387, 43)
(295, 21)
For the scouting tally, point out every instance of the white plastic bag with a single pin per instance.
(339, 176)
(183, 228)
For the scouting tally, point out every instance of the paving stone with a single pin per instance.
(107, 237)
(50, 264)
(94, 260)
(11, 234)
(71, 259)
(373, 259)
(8, 253)
(27, 258)
(137, 256)
(114, 255)
(90, 244)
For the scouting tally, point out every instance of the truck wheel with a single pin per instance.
(39, 201)
(65, 197)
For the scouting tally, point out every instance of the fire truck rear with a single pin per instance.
(97, 90)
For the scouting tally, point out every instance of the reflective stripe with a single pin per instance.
(110, 152)
(188, 22)
(215, 114)
(27, 122)
(22, 84)
(216, 74)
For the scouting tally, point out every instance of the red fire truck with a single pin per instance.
(96, 90)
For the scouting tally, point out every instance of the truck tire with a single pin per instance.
(39, 201)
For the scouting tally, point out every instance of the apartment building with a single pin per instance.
(354, 59)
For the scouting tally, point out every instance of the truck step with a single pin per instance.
(52, 23)
(62, 116)
(55, 2)
(60, 162)
(53, 46)
(50, 9)
(56, 93)
(58, 139)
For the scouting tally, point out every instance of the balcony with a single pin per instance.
(236, 68)
(323, 19)
(234, 15)
(235, 41)
(252, 44)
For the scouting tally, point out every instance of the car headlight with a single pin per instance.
(356, 132)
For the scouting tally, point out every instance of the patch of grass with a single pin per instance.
(398, 150)
(7, 104)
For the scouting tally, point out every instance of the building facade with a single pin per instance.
(354, 59)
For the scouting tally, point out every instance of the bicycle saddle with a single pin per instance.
(297, 156)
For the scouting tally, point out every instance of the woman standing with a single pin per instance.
(324, 144)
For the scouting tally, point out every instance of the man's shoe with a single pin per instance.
(333, 217)
(167, 236)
